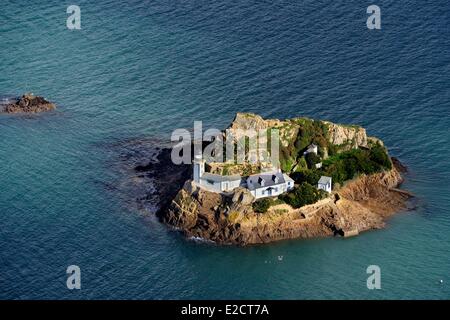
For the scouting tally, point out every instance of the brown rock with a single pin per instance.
(353, 135)
(361, 204)
(29, 103)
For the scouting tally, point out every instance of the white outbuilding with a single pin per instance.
(312, 148)
(324, 183)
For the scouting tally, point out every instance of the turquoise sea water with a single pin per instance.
(140, 69)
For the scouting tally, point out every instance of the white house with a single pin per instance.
(261, 185)
(324, 183)
(312, 148)
(213, 182)
(269, 184)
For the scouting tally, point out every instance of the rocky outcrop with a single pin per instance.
(296, 132)
(248, 121)
(340, 134)
(361, 204)
(29, 103)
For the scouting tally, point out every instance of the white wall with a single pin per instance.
(220, 186)
(262, 192)
(326, 187)
(230, 185)
(215, 186)
(199, 169)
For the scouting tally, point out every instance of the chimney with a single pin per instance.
(261, 181)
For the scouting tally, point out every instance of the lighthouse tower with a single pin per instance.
(199, 168)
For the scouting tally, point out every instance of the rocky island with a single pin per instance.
(331, 180)
(28, 103)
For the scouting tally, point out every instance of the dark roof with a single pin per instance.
(253, 182)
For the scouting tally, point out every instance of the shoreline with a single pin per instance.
(363, 195)
(358, 212)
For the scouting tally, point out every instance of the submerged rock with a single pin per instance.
(29, 103)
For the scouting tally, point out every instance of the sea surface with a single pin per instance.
(137, 70)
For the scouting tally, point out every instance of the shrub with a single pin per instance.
(301, 164)
(286, 158)
(302, 140)
(379, 155)
(262, 205)
(302, 195)
(332, 150)
(311, 159)
(345, 166)
(309, 176)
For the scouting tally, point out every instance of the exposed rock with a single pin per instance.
(190, 187)
(400, 166)
(242, 196)
(375, 140)
(361, 204)
(248, 121)
(29, 103)
(353, 135)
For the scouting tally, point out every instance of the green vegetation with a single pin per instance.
(341, 167)
(312, 159)
(302, 165)
(226, 170)
(344, 163)
(347, 165)
(302, 195)
(281, 211)
(262, 205)
(309, 131)
(308, 176)
(233, 216)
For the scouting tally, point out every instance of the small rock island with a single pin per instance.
(331, 179)
(28, 103)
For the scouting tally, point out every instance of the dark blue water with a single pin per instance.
(140, 69)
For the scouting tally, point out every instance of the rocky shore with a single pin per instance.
(28, 103)
(360, 205)
(167, 177)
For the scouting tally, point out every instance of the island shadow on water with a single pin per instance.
(149, 180)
